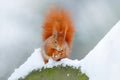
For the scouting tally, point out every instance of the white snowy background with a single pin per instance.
(102, 63)
(21, 20)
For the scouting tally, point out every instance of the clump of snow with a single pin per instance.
(64, 62)
(102, 63)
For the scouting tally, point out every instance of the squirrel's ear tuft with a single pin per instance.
(65, 30)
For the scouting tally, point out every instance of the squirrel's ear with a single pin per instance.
(65, 32)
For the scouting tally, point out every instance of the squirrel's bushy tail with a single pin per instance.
(63, 20)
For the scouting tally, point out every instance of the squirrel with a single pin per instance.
(57, 36)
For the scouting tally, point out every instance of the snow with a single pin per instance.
(102, 63)
(35, 61)
(68, 75)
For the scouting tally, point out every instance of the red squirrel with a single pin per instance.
(57, 35)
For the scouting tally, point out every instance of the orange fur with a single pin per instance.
(61, 20)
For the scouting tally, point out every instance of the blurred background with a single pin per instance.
(21, 21)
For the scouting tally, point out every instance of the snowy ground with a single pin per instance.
(102, 63)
